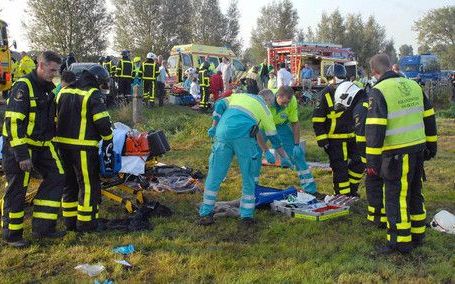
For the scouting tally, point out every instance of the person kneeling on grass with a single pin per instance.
(236, 121)
(284, 109)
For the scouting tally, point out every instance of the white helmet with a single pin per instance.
(344, 95)
(444, 221)
(151, 55)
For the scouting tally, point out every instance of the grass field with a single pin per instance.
(277, 249)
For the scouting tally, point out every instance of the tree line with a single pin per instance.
(84, 26)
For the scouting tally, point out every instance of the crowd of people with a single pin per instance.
(386, 133)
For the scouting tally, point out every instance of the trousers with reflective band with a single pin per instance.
(82, 192)
(204, 84)
(374, 188)
(346, 165)
(404, 99)
(404, 202)
(46, 203)
(305, 176)
(219, 163)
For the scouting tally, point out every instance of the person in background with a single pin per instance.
(284, 77)
(161, 82)
(453, 86)
(226, 72)
(194, 90)
(26, 65)
(356, 82)
(396, 69)
(307, 76)
(188, 79)
(271, 84)
(204, 84)
(124, 71)
(150, 72)
(66, 79)
(264, 70)
(216, 85)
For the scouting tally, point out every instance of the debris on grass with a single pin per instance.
(125, 250)
(90, 270)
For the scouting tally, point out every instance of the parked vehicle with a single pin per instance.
(319, 56)
(421, 68)
(185, 56)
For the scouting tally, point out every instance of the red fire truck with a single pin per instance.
(319, 56)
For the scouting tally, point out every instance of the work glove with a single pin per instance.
(286, 163)
(108, 154)
(270, 157)
(370, 171)
(211, 132)
(297, 152)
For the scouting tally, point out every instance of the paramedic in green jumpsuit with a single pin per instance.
(284, 109)
(235, 119)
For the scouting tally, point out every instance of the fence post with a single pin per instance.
(136, 105)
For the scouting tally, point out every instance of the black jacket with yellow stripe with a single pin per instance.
(124, 68)
(329, 124)
(82, 118)
(376, 131)
(150, 70)
(359, 111)
(29, 116)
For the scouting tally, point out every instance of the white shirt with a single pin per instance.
(226, 71)
(194, 90)
(283, 78)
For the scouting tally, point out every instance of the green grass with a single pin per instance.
(278, 249)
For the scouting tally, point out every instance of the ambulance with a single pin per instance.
(185, 56)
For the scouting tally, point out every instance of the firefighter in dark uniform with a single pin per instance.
(109, 66)
(82, 121)
(349, 95)
(28, 131)
(111, 69)
(400, 134)
(150, 72)
(124, 71)
(204, 84)
(335, 133)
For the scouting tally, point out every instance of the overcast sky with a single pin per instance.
(397, 16)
